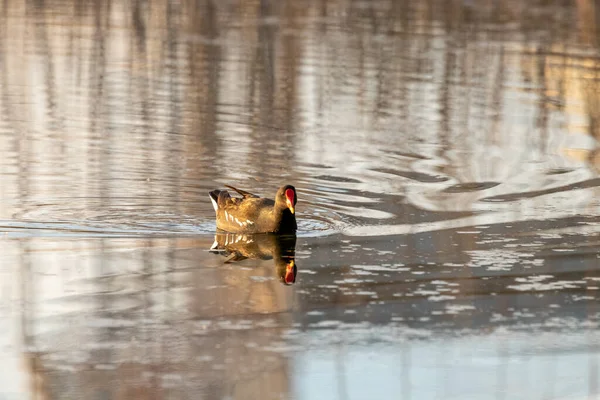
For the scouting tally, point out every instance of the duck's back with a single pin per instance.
(246, 215)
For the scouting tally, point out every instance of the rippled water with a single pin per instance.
(446, 160)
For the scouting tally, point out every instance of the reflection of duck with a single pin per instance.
(253, 214)
(281, 248)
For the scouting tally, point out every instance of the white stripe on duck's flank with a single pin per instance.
(249, 222)
(238, 222)
(226, 216)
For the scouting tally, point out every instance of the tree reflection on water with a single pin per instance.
(446, 159)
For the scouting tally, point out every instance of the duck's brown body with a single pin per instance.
(253, 214)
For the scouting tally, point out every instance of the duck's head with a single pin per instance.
(286, 198)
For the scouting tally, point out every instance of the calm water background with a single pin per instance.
(446, 157)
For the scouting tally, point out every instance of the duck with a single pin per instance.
(237, 247)
(253, 214)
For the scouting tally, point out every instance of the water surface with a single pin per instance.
(446, 160)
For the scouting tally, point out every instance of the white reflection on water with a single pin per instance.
(502, 365)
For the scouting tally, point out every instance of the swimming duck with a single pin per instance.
(254, 214)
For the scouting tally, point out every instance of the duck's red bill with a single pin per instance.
(289, 193)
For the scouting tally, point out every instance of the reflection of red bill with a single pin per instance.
(290, 273)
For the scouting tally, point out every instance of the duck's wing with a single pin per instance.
(242, 192)
(248, 214)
